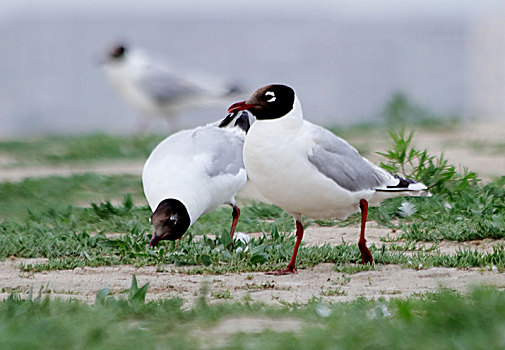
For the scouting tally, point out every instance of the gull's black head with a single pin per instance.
(117, 52)
(269, 102)
(170, 221)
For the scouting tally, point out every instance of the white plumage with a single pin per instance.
(202, 168)
(156, 90)
(307, 170)
(277, 156)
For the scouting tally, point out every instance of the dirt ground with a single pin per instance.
(471, 145)
(321, 281)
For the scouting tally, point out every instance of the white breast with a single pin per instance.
(276, 160)
(122, 76)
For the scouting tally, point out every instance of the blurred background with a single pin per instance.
(346, 58)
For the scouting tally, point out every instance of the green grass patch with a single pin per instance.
(37, 195)
(443, 320)
(56, 149)
(78, 237)
(461, 209)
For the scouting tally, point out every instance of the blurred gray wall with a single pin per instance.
(486, 68)
(344, 69)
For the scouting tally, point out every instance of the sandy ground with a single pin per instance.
(18, 173)
(322, 281)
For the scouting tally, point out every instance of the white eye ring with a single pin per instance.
(270, 93)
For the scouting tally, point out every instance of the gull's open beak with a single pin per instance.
(239, 106)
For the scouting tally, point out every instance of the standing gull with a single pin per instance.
(193, 172)
(307, 170)
(159, 91)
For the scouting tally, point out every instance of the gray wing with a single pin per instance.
(224, 147)
(165, 87)
(339, 161)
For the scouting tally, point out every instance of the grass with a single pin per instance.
(69, 221)
(40, 219)
(57, 149)
(77, 237)
(38, 195)
(443, 320)
(461, 208)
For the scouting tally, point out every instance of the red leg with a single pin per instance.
(366, 256)
(292, 264)
(236, 215)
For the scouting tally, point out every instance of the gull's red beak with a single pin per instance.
(154, 241)
(239, 106)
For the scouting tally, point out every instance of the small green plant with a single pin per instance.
(224, 294)
(434, 172)
(352, 268)
(337, 291)
(461, 208)
(136, 294)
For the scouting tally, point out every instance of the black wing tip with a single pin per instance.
(243, 122)
(227, 120)
(394, 189)
(403, 184)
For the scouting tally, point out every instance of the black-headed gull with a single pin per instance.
(307, 170)
(159, 91)
(193, 172)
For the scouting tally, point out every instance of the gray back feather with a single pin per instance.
(339, 161)
(225, 147)
(165, 87)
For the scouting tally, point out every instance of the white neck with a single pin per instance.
(296, 112)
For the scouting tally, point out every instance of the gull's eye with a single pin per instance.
(172, 220)
(270, 96)
(118, 52)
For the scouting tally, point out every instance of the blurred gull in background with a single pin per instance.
(160, 91)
